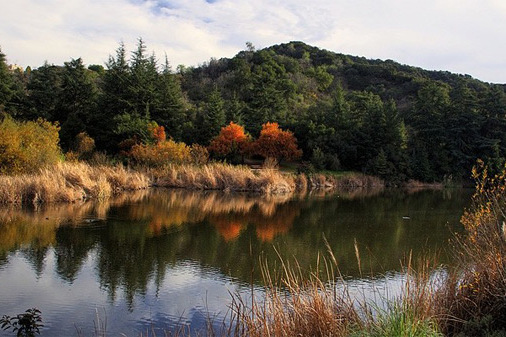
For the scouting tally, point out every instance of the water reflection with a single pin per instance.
(156, 242)
(148, 230)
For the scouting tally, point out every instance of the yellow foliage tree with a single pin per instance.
(25, 147)
(161, 153)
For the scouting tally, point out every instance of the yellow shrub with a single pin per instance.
(27, 146)
(199, 154)
(162, 153)
(84, 145)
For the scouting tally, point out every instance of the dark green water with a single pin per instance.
(161, 258)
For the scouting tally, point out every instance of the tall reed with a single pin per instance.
(296, 306)
(319, 304)
(69, 182)
(218, 176)
(473, 299)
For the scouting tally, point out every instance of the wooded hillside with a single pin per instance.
(352, 113)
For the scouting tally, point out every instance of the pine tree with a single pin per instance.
(430, 124)
(270, 89)
(142, 91)
(44, 92)
(113, 102)
(493, 146)
(77, 101)
(170, 112)
(6, 82)
(234, 109)
(463, 131)
(211, 118)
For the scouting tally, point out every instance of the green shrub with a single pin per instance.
(26, 324)
(332, 162)
(318, 159)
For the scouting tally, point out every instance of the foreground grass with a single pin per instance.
(472, 301)
(469, 300)
(320, 304)
(69, 182)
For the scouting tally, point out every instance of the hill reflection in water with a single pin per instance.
(154, 245)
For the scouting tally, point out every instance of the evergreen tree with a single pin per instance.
(44, 92)
(212, 118)
(429, 121)
(17, 106)
(6, 82)
(493, 131)
(270, 89)
(234, 109)
(142, 89)
(170, 112)
(463, 132)
(77, 101)
(113, 102)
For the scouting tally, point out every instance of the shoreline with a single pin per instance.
(72, 182)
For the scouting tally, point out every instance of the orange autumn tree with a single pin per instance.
(276, 143)
(157, 133)
(231, 142)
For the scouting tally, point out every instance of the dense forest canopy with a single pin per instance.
(379, 117)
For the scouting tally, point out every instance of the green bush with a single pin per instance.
(318, 159)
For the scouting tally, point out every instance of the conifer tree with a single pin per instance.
(212, 117)
(44, 92)
(6, 82)
(113, 102)
(77, 101)
(142, 88)
(170, 112)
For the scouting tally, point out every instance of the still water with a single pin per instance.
(158, 259)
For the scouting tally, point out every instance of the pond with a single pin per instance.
(157, 259)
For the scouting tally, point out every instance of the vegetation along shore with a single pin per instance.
(36, 171)
(291, 102)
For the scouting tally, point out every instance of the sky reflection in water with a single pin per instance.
(155, 259)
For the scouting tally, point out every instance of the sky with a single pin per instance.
(461, 36)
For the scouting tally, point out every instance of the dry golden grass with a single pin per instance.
(296, 305)
(473, 299)
(303, 303)
(69, 182)
(217, 176)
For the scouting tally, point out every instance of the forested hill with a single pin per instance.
(347, 112)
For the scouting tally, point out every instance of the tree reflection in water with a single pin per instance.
(137, 238)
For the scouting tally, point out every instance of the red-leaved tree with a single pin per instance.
(276, 143)
(232, 141)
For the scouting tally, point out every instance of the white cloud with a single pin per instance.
(462, 36)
